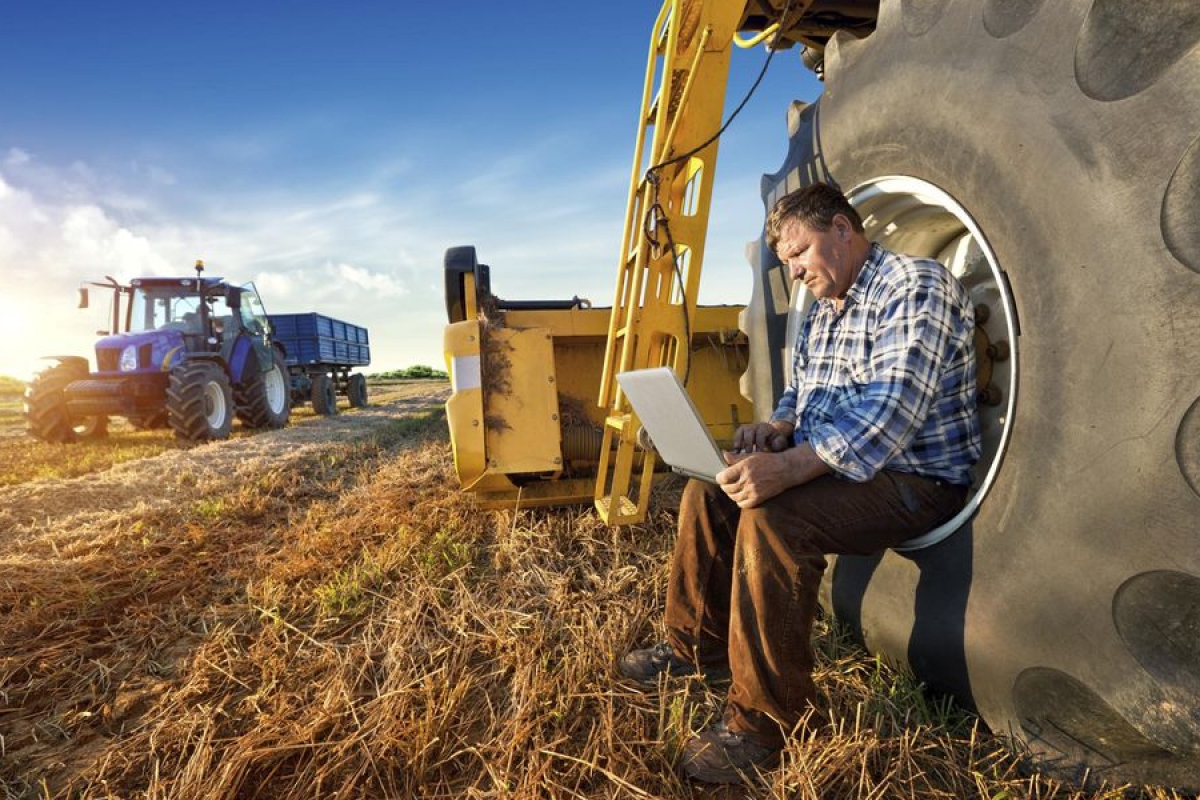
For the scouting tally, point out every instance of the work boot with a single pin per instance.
(644, 666)
(719, 755)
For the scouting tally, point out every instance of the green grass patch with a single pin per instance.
(350, 592)
(23, 458)
(211, 508)
(409, 373)
(448, 551)
(430, 421)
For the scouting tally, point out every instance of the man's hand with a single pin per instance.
(762, 437)
(751, 479)
(754, 478)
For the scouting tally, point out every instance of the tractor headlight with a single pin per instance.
(129, 359)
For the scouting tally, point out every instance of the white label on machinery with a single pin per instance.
(464, 373)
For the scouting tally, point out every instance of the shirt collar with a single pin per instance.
(865, 275)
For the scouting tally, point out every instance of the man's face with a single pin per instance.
(821, 260)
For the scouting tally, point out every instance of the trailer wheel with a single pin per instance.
(265, 400)
(200, 402)
(356, 390)
(324, 394)
(45, 408)
(1072, 165)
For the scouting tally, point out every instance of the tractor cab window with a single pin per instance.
(254, 314)
(222, 317)
(156, 309)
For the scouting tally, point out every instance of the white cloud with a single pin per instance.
(91, 241)
(17, 157)
(377, 283)
(367, 250)
(274, 285)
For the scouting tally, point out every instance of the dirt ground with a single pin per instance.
(68, 508)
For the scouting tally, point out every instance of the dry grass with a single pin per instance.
(24, 459)
(11, 392)
(334, 619)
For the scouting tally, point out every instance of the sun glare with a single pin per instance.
(16, 360)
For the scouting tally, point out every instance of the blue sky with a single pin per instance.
(331, 152)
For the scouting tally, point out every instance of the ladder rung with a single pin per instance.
(618, 422)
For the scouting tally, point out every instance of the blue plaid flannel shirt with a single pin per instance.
(889, 381)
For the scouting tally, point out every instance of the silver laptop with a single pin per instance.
(672, 421)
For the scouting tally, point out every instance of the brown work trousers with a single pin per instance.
(743, 585)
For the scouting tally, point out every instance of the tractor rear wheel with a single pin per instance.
(1051, 149)
(356, 390)
(324, 394)
(265, 400)
(46, 414)
(200, 402)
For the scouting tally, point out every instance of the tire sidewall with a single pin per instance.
(187, 407)
(324, 395)
(357, 390)
(278, 414)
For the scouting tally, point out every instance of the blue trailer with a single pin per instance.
(320, 353)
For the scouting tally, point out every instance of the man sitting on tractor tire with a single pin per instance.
(871, 444)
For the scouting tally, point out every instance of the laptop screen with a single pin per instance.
(672, 422)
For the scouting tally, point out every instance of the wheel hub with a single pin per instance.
(214, 405)
(912, 216)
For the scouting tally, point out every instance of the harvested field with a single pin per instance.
(318, 612)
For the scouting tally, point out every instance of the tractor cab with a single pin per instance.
(167, 318)
(187, 352)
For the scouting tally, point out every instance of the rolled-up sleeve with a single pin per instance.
(785, 411)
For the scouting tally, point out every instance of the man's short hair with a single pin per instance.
(814, 207)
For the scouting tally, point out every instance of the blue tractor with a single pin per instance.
(185, 353)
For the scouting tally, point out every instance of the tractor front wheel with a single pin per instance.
(200, 402)
(91, 427)
(46, 414)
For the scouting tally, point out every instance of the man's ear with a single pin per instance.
(843, 227)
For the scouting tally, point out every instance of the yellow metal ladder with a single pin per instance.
(666, 222)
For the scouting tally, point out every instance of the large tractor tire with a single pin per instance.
(1050, 151)
(265, 400)
(200, 402)
(356, 390)
(46, 413)
(324, 394)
